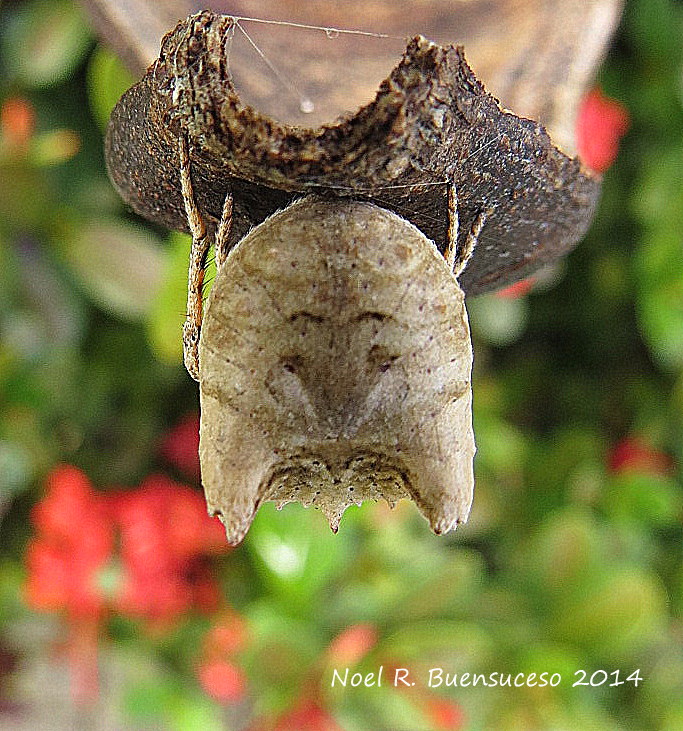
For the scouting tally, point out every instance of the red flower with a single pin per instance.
(444, 715)
(634, 455)
(516, 290)
(222, 680)
(49, 577)
(601, 123)
(217, 673)
(181, 446)
(17, 121)
(227, 637)
(75, 542)
(164, 534)
(308, 716)
(352, 644)
(165, 530)
(69, 500)
(162, 515)
(65, 563)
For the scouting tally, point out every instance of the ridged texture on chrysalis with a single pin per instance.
(335, 366)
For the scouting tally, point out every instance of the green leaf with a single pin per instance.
(44, 41)
(195, 712)
(652, 499)
(658, 189)
(652, 26)
(448, 588)
(659, 265)
(566, 555)
(296, 553)
(108, 79)
(16, 471)
(455, 646)
(550, 657)
(380, 708)
(147, 702)
(119, 265)
(618, 614)
(169, 304)
(501, 446)
(282, 652)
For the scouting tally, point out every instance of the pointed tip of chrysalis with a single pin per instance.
(235, 534)
(445, 518)
(333, 516)
(236, 526)
(443, 526)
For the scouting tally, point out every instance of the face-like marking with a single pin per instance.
(335, 364)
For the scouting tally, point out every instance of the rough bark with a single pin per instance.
(536, 56)
(431, 124)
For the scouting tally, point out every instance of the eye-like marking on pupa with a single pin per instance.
(335, 366)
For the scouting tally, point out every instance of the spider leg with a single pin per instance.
(201, 240)
(221, 245)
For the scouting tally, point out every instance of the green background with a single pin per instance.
(565, 563)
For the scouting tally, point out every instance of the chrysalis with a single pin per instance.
(335, 364)
(334, 357)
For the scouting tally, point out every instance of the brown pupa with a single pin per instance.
(334, 359)
(335, 364)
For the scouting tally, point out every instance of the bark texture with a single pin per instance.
(537, 56)
(431, 124)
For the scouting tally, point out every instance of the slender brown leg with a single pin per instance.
(457, 257)
(221, 246)
(200, 247)
(465, 252)
(453, 225)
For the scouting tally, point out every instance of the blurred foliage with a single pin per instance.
(573, 556)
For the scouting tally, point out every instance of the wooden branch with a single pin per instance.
(536, 56)
(431, 125)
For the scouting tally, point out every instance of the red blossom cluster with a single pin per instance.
(165, 536)
(633, 454)
(180, 446)
(307, 716)
(218, 673)
(74, 545)
(143, 553)
(139, 552)
(601, 123)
